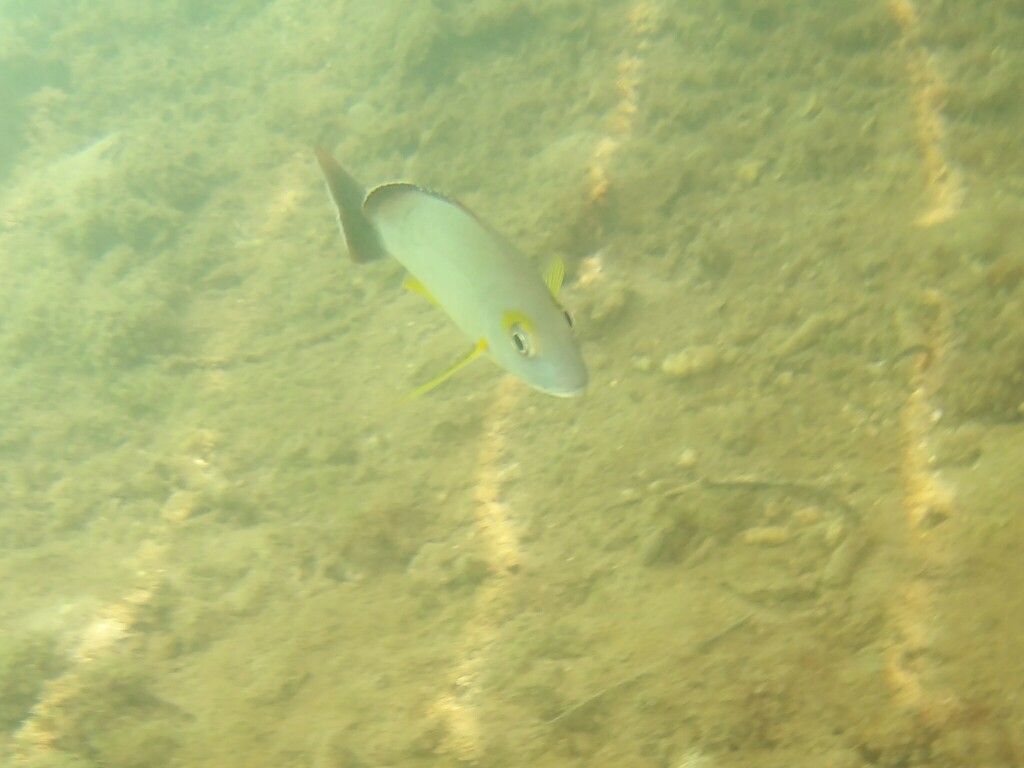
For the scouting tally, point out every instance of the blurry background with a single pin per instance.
(781, 529)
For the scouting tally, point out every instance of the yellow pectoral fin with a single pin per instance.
(410, 283)
(479, 349)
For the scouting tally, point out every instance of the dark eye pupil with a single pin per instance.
(568, 318)
(520, 339)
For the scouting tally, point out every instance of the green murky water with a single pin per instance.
(781, 529)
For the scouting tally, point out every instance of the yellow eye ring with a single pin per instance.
(520, 332)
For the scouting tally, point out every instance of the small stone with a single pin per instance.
(810, 108)
(766, 536)
(655, 547)
(179, 507)
(808, 334)
(642, 363)
(691, 361)
(702, 552)
(807, 516)
(750, 171)
(834, 534)
(629, 496)
(687, 459)
(843, 562)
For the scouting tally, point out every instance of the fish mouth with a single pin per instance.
(570, 391)
(567, 393)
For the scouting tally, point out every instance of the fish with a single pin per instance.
(479, 279)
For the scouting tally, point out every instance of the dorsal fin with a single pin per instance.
(554, 275)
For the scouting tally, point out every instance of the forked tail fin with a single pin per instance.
(347, 195)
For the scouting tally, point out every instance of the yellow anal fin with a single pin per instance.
(410, 283)
(479, 349)
(554, 275)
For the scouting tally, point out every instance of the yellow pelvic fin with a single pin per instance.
(410, 283)
(479, 349)
(554, 275)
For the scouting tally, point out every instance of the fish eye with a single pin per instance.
(520, 340)
(569, 319)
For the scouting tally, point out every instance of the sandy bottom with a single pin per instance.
(783, 527)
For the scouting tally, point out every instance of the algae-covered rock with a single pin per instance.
(117, 716)
(27, 661)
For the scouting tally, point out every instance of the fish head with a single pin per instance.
(538, 345)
